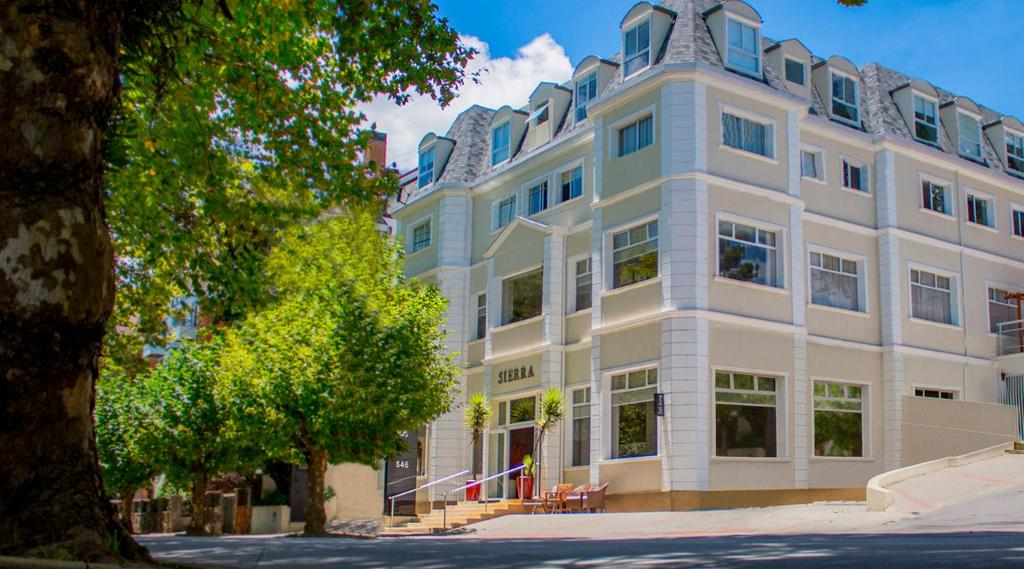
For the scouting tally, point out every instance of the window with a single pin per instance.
(970, 135)
(637, 48)
(931, 297)
(979, 210)
(838, 419)
(572, 183)
(795, 71)
(744, 53)
(810, 165)
(745, 410)
(855, 177)
(581, 427)
(540, 115)
(522, 410)
(522, 296)
(935, 393)
(504, 211)
(421, 236)
(835, 282)
(426, 174)
(747, 253)
(584, 281)
(925, 123)
(635, 254)
(634, 426)
(501, 138)
(748, 135)
(1002, 307)
(586, 91)
(1015, 152)
(845, 105)
(1018, 222)
(537, 198)
(933, 197)
(635, 136)
(481, 316)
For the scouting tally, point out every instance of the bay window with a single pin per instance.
(634, 426)
(748, 253)
(838, 419)
(522, 296)
(635, 254)
(745, 415)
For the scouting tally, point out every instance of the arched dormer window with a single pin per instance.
(962, 119)
(838, 81)
(736, 29)
(589, 80)
(433, 156)
(507, 127)
(918, 102)
(1007, 135)
(644, 29)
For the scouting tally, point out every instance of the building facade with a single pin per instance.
(800, 256)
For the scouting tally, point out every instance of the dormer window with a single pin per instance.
(970, 135)
(637, 48)
(925, 120)
(1015, 152)
(744, 54)
(586, 91)
(501, 137)
(845, 104)
(426, 171)
(540, 115)
(796, 71)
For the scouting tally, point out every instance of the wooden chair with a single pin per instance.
(554, 501)
(574, 499)
(593, 500)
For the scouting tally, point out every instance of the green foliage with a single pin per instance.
(123, 421)
(551, 412)
(329, 494)
(477, 414)
(528, 466)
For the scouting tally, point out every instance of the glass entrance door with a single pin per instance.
(496, 462)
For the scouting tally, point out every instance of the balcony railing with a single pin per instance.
(1010, 336)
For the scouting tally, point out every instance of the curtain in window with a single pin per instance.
(931, 304)
(833, 289)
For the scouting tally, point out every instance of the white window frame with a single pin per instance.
(955, 311)
(756, 54)
(1015, 207)
(527, 190)
(477, 333)
(960, 135)
(865, 174)
(606, 411)
(819, 159)
(865, 417)
(999, 286)
(496, 224)
(578, 102)
(572, 282)
(636, 124)
(782, 424)
(608, 254)
(802, 63)
(915, 95)
(832, 97)
(770, 124)
(432, 151)
(949, 195)
(862, 279)
(648, 52)
(1007, 133)
(411, 232)
(578, 163)
(508, 151)
(501, 302)
(572, 406)
(614, 128)
(782, 257)
(940, 388)
(987, 198)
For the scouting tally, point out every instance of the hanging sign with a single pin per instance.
(659, 404)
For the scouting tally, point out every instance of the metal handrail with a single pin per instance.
(444, 497)
(418, 488)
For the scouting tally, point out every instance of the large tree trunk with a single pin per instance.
(58, 82)
(197, 525)
(316, 518)
(127, 500)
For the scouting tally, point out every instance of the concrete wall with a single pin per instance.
(934, 428)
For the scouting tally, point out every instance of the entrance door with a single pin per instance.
(520, 444)
(496, 462)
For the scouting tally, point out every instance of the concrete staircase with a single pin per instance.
(459, 515)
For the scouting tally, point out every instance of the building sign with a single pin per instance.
(400, 476)
(659, 404)
(515, 374)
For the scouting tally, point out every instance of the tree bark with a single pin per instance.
(197, 525)
(127, 501)
(59, 73)
(316, 517)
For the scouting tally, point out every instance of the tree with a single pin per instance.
(347, 356)
(551, 412)
(123, 420)
(477, 416)
(229, 117)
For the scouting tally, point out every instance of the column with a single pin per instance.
(797, 284)
(890, 306)
(551, 360)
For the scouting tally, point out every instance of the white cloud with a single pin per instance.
(502, 81)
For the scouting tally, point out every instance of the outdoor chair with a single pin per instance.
(574, 499)
(593, 500)
(555, 500)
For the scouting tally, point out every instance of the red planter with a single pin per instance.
(472, 492)
(525, 486)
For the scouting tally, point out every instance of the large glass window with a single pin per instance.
(838, 419)
(970, 135)
(1015, 152)
(855, 177)
(522, 296)
(481, 316)
(747, 135)
(931, 297)
(501, 138)
(426, 172)
(744, 51)
(505, 211)
(925, 121)
(635, 254)
(1001, 308)
(834, 282)
(634, 425)
(978, 210)
(845, 105)
(538, 198)
(748, 253)
(581, 427)
(636, 136)
(572, 183)
(745, 415)
(586, 90)
(933, 197)
(637, 48)
(421, 236)
(584, 282)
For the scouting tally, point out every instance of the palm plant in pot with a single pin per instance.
(524, 483)
(552, 411)
(477, 416)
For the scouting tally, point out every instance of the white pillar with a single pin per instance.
(801, 397)
(890, 274)
(551, 360)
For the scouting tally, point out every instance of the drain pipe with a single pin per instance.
(962, 219)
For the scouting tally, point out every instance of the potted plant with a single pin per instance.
(552, 411)
(524, 483)
(477, 416)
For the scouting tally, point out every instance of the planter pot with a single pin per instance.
(472, 492)
(525, 486)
